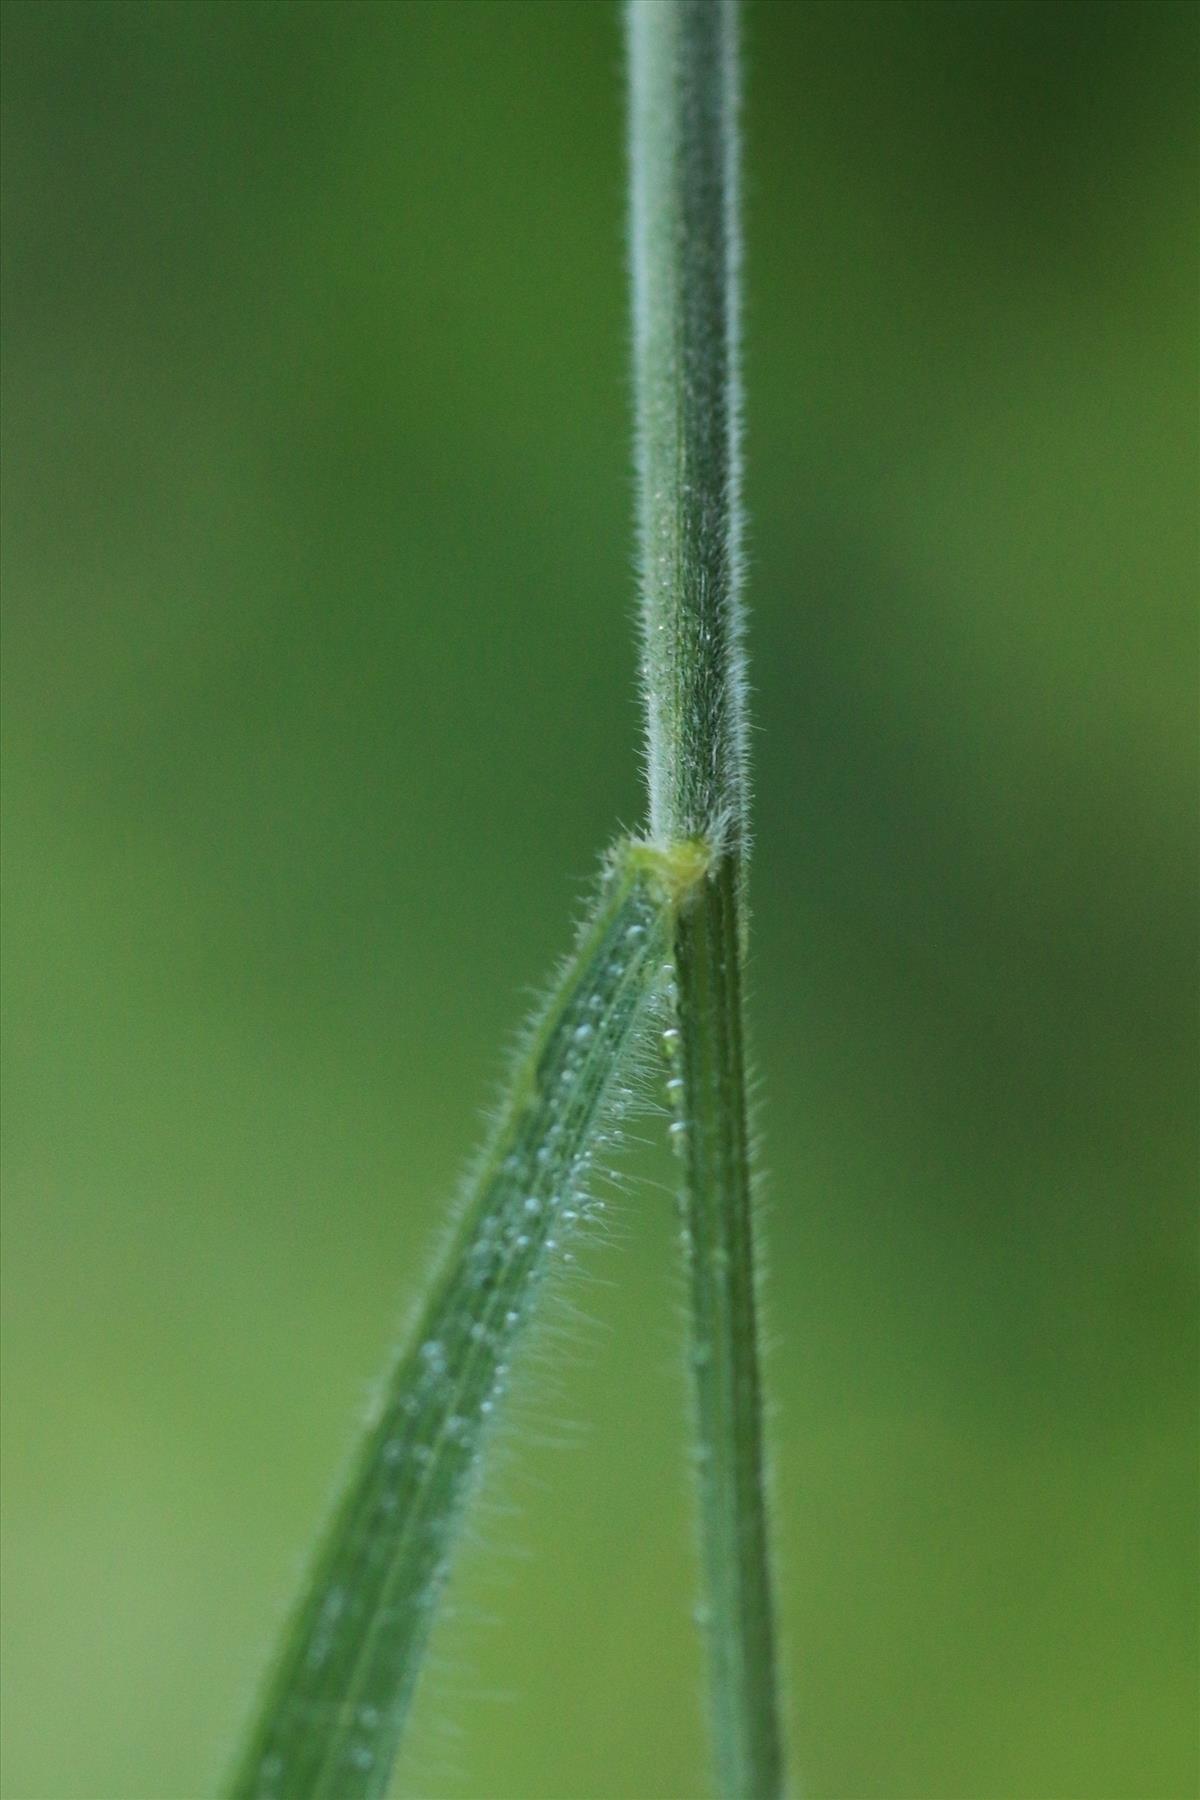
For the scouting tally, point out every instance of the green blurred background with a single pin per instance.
(320, 703)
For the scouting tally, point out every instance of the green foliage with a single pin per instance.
(685, 244)
(737, 1610)
(317, 688)
(338, 1699)
(686, 254)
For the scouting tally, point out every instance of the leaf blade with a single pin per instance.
(338, 1697)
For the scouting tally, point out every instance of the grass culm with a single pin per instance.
(667, 929)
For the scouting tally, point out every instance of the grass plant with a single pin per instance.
(336, 1702)
(686, 254)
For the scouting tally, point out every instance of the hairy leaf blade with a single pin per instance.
(339, 1695)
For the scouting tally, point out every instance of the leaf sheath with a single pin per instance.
(685, 257)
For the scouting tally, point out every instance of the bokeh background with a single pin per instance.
(320, 704)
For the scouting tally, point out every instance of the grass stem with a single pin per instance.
(686, 252)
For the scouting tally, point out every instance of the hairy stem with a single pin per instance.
(683, 67)
(683, 151)
(339, 1695)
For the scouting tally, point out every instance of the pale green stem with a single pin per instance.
(683, 68)
(339, 1694)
